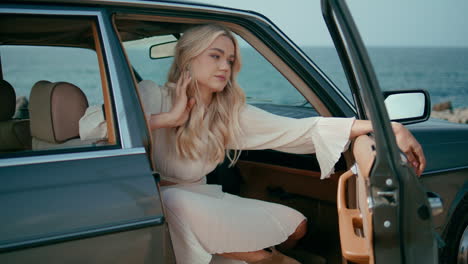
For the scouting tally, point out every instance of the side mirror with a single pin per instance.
(408, 106)
(163, 50)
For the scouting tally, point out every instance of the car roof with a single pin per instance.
(58, 31)
(128, 3)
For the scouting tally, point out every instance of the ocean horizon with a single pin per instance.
(442, 71)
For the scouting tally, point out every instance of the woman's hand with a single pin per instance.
(410, 146)
(182, 106)
(180, 110)
(405, 140)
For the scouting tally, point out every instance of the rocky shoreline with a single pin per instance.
(447, 112)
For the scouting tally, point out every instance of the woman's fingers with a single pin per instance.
(413, 161)
(182, 84)
(416, 157)
(411, 147)
(410, 156)
(421, 159)
(190, 104)
(181, 88)
(182, 105)
(418, 160)
(178, 86)
(187, 79)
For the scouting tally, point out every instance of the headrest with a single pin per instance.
(7, 101)
(55, 110)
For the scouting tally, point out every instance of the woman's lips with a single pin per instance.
(221, 77)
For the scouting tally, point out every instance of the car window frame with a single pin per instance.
(308, 87)
(108, 89)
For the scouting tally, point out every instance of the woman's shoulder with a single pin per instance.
(152, 89)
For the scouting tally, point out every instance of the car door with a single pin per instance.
(75, 200)
(393, 212)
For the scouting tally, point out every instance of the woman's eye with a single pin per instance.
(215, 56)
(230, 62)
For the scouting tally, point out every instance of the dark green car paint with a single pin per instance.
(107, 201)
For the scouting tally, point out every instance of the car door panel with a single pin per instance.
(356, 223)
(136, 246)
(94, 204)
(401, 220)
(453, 184)
(78, 199)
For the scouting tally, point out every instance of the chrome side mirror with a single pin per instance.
(408, 106)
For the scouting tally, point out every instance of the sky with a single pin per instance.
(380, 22)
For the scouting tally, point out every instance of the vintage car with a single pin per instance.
(67, 198)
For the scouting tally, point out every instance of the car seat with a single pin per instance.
(14, 133)
(55, 110)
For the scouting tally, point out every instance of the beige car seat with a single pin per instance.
(14, 133)
(55, 110)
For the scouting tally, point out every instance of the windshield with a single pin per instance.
(261, 82)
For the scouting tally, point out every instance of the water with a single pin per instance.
(441, 71)
(24, 66)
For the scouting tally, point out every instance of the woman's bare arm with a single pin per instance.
(180, 110)
(405, 140)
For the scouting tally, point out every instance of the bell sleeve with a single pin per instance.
(327, 137)
(152, 96)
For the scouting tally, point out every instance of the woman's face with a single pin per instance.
(212, 68)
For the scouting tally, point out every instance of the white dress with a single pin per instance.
(202, 219)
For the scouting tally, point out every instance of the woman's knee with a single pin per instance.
(300, 231)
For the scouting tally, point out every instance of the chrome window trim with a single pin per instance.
(121, 119)
(88, 233)
(444, 170)
(39, 159)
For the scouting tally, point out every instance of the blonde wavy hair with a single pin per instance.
(222, 113)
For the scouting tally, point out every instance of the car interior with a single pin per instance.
(48, 113)
(15, 134)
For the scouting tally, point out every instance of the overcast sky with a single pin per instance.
(381, 22)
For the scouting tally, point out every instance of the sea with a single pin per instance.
(442, 71)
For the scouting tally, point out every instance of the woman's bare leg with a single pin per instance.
(262, 254)
(294, 237)
(247, 256)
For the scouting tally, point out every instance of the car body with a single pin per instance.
(96, 200)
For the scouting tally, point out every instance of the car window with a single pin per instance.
(59, 97)
(262, 83)
(75, 65)
(147, 68)
(326, 58)
(419, 46)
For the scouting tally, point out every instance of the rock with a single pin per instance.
(459, 115)
(443, 106)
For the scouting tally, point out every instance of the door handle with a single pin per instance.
(353, 246)
(435, 203)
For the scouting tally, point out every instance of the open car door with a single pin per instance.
(392, 222)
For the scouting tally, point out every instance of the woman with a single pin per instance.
(200, 114)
